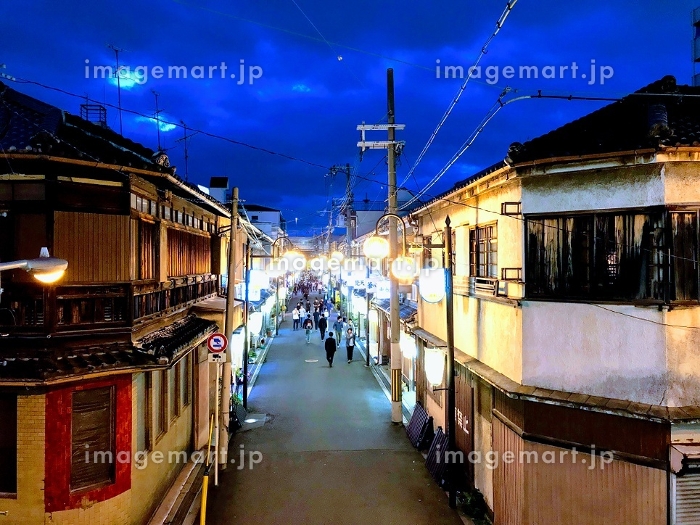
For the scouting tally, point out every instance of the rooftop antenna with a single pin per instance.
(117, 73)
(184, 139)
(156, 94)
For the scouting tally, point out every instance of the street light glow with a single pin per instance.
(376, 247)
(48, 277)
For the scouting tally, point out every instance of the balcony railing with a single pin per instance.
(72, 308)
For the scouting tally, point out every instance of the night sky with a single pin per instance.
(324, 72)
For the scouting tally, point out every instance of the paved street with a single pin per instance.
(329, 451)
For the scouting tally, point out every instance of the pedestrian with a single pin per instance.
(339, 328)
(308, 326)
(322, 326)
(331, 346)
(295, 318)
(317, 314)
(350, 343)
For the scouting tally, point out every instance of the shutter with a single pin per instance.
(92, 438)
(687, 500)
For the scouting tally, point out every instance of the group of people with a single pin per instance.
(316, 317)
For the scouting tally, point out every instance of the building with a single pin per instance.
(576, 307)
(104, 380)
(268, 220)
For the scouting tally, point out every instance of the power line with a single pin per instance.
(179, 125)
(499, 24)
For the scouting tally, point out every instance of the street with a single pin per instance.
(329, 452)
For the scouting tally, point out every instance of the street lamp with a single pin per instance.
(377, 247)
(402, 268)
(45, 268)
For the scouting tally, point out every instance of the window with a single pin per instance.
(253, 217)
(185, 379)
(148, 246)
(483, 254)
(142, 412)
(160, 401)
(174, 390)
(93, 440)
(607, 256)
(8, 443)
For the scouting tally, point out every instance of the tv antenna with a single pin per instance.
(117, 73)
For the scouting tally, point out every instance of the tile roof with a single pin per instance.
(23, 360)
(406, 310)
(28, 124)
(660, 114)
(43, 364)
(170, 340)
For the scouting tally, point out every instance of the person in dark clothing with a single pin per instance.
(331, 346)
(322, 326)
(350, 343)
(317, 314)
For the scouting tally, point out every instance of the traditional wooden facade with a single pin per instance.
(577, 318)
(106, 370)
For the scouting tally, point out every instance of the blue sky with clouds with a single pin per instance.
(324, 71)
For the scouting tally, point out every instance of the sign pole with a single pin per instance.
(216, 432)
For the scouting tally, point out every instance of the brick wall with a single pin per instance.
(28, 507)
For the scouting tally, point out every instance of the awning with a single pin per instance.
(429, 338)
(406, 310)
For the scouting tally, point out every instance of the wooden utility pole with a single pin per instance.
(391, 146)
(223, 437)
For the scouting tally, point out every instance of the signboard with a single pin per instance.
(432, 284)
(382, 290)
(217, 344)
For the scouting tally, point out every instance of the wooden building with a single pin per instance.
(103, 376)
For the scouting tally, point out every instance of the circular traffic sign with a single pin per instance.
(217, 343)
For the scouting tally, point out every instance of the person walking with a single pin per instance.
(322, 326)
(339, 328)
(350, 343)
(331, 346)
(317, 315)
(295, 318)
(308, 326)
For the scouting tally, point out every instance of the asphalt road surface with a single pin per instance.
(328, 453)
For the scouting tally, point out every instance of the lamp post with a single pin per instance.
(45, 268)
(402, 268)
(434, 366)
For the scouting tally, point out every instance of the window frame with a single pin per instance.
(489, 268)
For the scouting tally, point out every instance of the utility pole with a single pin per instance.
(223, 437)
(348, 210)
(119, 85)
(391, 145)
(245, 325)
(396, 361)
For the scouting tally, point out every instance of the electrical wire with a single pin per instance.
(179, 125)
(499, 24)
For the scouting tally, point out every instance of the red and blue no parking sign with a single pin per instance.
(217, 343)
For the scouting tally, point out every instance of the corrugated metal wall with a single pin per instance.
(508, 478)
(572, 492)
(560, 488)
(96, 246)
